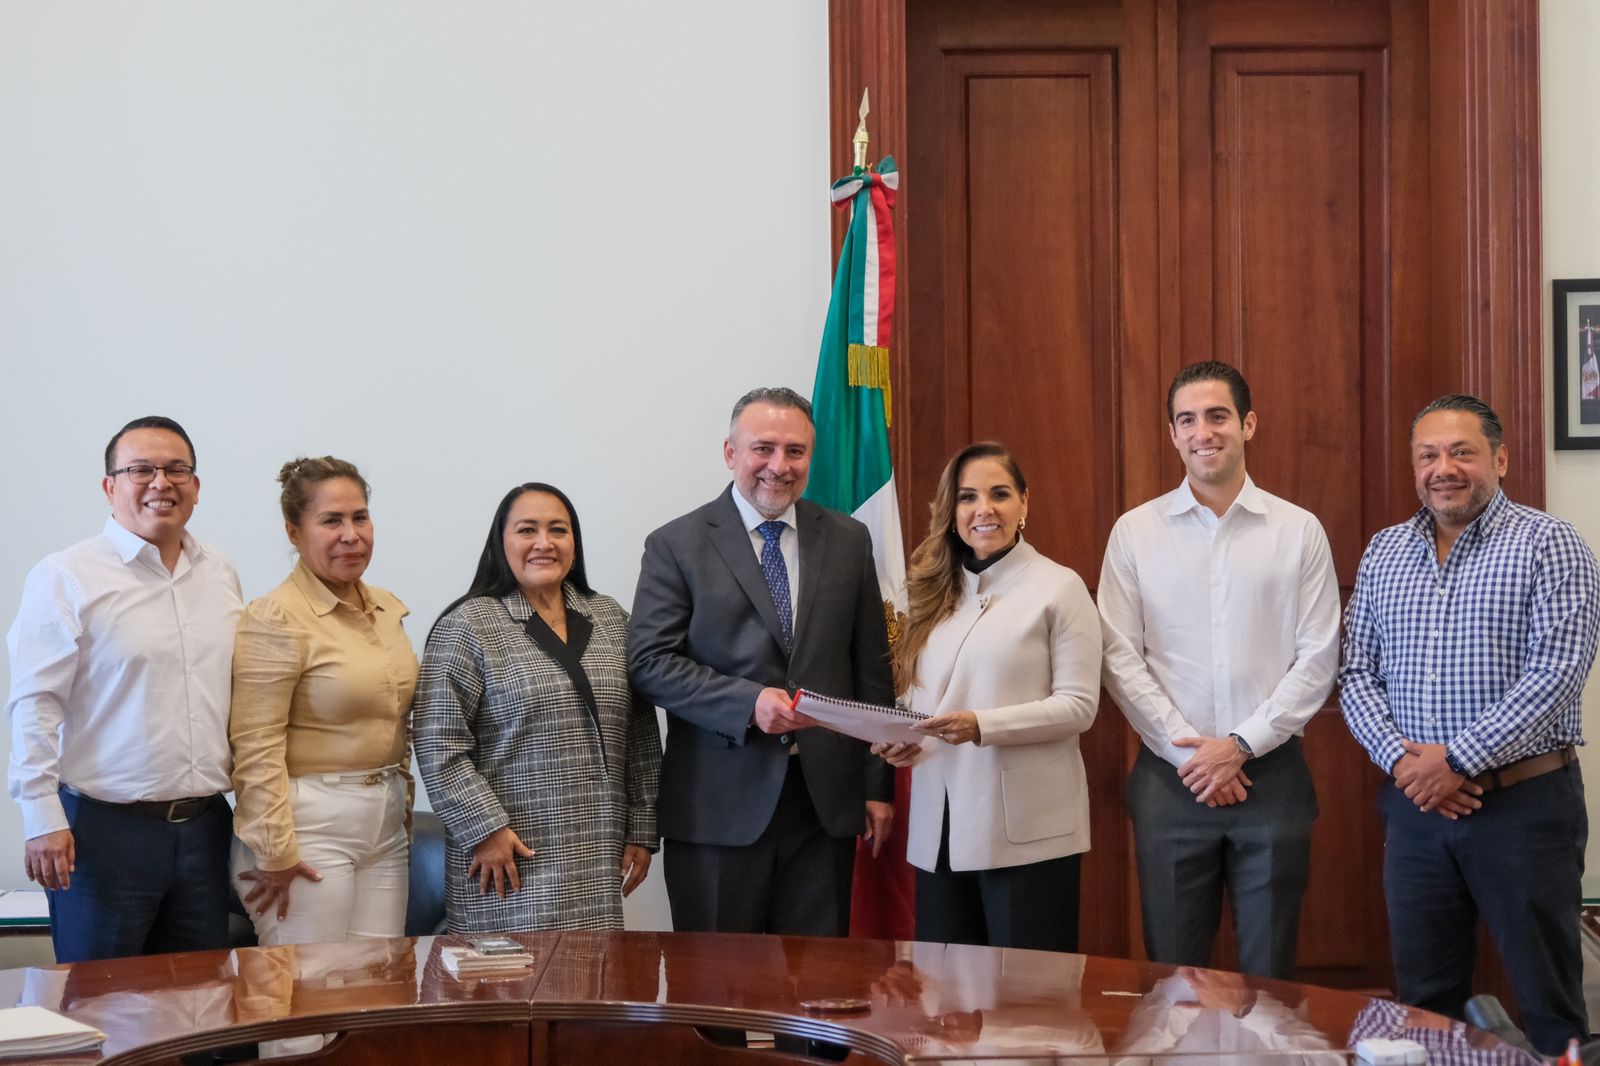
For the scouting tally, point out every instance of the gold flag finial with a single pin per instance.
(859, 141)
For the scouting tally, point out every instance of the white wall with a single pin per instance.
(1569, 33)
(464, 245)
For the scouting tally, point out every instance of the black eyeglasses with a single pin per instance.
(144, 473)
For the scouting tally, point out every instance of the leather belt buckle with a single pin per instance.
(182, 810)
(1504, 777)
(175, 811)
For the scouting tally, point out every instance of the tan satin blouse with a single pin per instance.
(319, 687)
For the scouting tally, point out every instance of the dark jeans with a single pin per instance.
(1259, 850)
(143, 886)
(1518, 862)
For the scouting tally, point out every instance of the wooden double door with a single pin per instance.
(1326, 195)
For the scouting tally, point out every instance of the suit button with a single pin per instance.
(792, 686)
(786, 739)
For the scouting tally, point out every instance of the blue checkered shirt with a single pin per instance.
(1486, 654)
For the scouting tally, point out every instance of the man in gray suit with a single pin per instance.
(740, 603)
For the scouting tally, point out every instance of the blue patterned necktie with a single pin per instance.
(777, 575)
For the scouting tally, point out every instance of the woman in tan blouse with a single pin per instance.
(323, 675)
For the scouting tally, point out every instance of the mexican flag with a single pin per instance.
(850, 402)
(851, 472)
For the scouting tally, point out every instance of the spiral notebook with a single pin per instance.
(865, 721)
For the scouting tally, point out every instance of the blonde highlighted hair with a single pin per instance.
(933, 573)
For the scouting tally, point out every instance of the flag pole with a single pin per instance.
(852, 470)
(860, 141)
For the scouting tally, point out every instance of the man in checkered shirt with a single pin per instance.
(1468, 639)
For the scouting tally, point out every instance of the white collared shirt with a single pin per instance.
(121, 675)
(1218, 625)
(788, 543)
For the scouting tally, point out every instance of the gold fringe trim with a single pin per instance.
(869, 368)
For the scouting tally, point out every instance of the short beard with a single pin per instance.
(761, 498)
(1466, 512)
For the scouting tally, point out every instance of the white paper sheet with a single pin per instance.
(865, 721)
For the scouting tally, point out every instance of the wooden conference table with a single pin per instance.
(639, 997)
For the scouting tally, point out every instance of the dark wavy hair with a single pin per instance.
(494, 577)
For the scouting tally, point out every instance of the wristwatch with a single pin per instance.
(1237, 739)
(1454, 763)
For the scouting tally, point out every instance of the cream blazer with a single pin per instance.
(1022, 650)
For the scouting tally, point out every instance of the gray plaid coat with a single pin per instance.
(503, 738)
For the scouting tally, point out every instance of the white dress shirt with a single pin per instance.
(788, 544)
(1217, 625)
(120, 675)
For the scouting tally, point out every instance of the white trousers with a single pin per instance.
(351, 829)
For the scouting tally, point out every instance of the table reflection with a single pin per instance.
(1196, 1010)
(174, 995)
(932, 1001)
(954, 999)
(1448, 1042)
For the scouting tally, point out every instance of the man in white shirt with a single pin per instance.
(121, 670)
(1220, 617)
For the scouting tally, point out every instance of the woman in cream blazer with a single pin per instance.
(1002, 650)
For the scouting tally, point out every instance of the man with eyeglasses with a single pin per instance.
(121, 670)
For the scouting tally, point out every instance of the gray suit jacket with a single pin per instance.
(706, 640)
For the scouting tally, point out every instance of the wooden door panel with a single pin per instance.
(1028, 288)
(1035, 156)
(1340, 198)
(1298, 289)
(1028, 283)
(1344, 932)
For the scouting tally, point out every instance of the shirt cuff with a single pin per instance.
(1175, 755)
(985, 724)
(1261, 737)
(279, 862)
(1471, 754)
(1389, 751)
(43, 815)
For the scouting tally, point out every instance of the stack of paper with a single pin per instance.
(34, 1031)
(464, 962)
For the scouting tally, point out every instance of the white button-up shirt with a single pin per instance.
(121, 675)
(788, 543)
(1218, 625)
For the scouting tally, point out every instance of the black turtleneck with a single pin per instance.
(975, 565)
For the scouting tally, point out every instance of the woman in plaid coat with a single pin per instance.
(538, 755)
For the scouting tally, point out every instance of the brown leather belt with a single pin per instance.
(1525, 769)
(178, 810)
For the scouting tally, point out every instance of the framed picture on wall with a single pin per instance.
(1575, 336)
